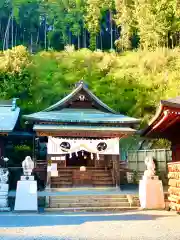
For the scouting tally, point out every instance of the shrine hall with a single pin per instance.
(166, 124)
(82, 136)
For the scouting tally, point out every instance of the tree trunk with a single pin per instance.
(1, 35)
(37, 38)
(23, 37)
(12, 30)
(31, 43)
(111, 29)
(15, 37)
(69, 37)
(101, 39)
(78, 41)
(84, 37)
(45, 35)
(5, 41)
(96, 42)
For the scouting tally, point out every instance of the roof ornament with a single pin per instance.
(81, 82)
(82, 98)
(13, 108)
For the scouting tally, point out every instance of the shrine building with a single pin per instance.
(82, 135)
(9, 115)
(166, 124)
(11, 132)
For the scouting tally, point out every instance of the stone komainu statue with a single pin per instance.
(4, 175)
(28, 166)
(150, 172)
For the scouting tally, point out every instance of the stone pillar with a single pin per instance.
(4, 188)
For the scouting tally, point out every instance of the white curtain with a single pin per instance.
(88, 145)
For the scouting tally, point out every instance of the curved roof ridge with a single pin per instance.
(79, 87)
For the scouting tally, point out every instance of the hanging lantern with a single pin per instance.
(76, 154)
(97, 156)
(82, 153)
(91, 156)
(70, 155)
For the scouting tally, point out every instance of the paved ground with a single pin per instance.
(141, 225)
(132, 189)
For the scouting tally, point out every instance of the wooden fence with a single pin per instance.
(135, 160)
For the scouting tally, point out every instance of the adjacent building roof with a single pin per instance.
(167, 116)
(9, 113)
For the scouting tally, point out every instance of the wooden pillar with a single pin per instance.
(175, 152)
(116, 169)
(1, 150)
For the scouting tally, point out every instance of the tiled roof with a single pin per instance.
(172, 102)
(9, 113)
(80, 115)
(80, 128)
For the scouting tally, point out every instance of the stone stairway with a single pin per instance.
(91, 203)
(101, 178)
(64, 178)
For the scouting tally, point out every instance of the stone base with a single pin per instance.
(54, 173)
(26, 196)
(27, 178)
(3, 201)
(150, 178)
(5, 209)
(151, 194)
(4, 187)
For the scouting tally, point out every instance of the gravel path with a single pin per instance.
(141, 225)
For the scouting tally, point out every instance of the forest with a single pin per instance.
(115, 25)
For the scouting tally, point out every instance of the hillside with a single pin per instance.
(132, 82)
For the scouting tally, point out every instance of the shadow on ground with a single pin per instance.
(15, 220)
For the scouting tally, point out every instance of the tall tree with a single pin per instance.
(92, 19)
(154, 20)
(125, 21)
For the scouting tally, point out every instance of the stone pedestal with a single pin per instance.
(4, 188)
(26, 195)
(151, 194)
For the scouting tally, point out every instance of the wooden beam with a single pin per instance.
(82, 134)
(3, 134)
(166, 115)
(170, 123)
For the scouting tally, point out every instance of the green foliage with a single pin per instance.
(130, 143)
(161, 143)
(132, 83)
(44, 24)
(135, 177)
(18, 152)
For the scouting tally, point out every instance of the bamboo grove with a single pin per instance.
(114, 25)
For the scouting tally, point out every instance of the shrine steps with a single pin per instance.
(64, 179)
(102, 178)
(91, 203)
